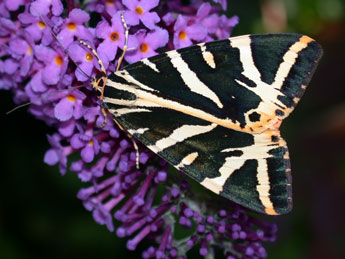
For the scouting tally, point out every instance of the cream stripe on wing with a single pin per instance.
(190, 78)
(187, 160)
(150, 64)
(179, 135)
(263, 187)
(289, 60)
(138, 131)
(207, 56)
(246, 57)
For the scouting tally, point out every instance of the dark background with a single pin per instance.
(40, 215)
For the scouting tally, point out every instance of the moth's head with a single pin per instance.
(98, 83)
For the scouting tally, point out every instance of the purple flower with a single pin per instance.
(186, 30)
(113, 38)
(85, 60)
(139, 11)
(55, 61)
(88, 145)
(36, 28)
(70, 106)
(58, 153)
(22, 50)
(73, 27)
(147, 44)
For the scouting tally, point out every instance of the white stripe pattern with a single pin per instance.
(208, 56)
(181, 134)
(150, 64)
(190, 78)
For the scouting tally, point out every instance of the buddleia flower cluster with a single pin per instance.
(149, 202)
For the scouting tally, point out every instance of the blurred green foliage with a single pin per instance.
(40, 215)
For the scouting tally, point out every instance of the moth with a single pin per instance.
(213, 111)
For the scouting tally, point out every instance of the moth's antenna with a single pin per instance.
(63, 48)
(126, 42)
(44, 97)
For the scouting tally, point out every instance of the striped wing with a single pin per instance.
(213, 110)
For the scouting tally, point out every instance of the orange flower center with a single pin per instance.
(143, 47)
(71, 98)
(88, 56)
(30, 50)
(41, 24)
(72, 26)
(91, 142)
(109, 3)
(139, 10)
(59, 60)
(114, 36)
(182, 35)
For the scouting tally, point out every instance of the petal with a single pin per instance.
(181, 43)
(19, 46)
(203, 10)
(65, 37)
(47, 37)
(36, 83)
(107, 50)
(57, 7)
(13, 5)
(87, 154)
(63, 111)
(103, 30)
(78, 109)
(51, 74)
(27, 18)
(76, 142)
(10, 66)
(51, 157)
(130, 4)
(168, 19)
(211, 23)
(150, 19)
(66, 128)
(25, 65)
(149, 53)
(196, 32)
(44, 54)
(133, 56)
(140, 35)
(76, 52)
(83, 70)
(34, 32)
(83, 33)
(79, 16)
(148, 4)
(181, 23)
(157, 38)
(39, 8)
(131, 18)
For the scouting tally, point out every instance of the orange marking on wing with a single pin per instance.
(271, 211)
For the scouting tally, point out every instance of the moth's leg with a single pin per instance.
(133, 142)
(126, 42)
